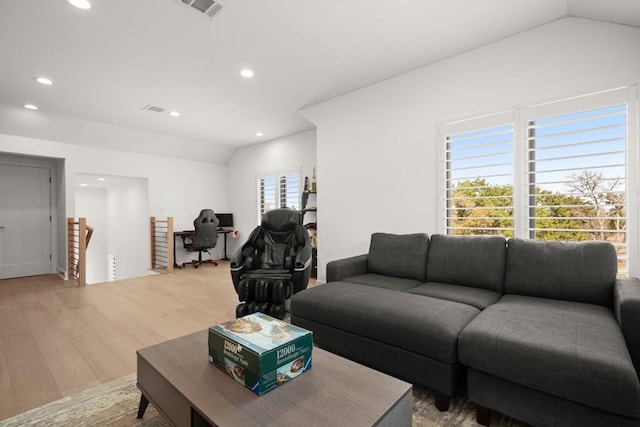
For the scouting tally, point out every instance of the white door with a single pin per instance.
(25, 221)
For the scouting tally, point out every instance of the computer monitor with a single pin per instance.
(225, 220)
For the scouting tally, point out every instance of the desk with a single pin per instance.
(184, 233)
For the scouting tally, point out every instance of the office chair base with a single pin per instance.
(197, 263)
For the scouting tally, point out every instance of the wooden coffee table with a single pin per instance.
(177, 378)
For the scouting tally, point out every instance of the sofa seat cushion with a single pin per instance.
(382, 281)
(478, 298)
(572, 350)
(424, 325)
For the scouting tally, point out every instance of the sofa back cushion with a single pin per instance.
(573, 271)
(476, 261)
(399, 255)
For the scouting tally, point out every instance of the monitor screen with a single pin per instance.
(225, 220)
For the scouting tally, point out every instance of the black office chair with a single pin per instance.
(272, 265)
(204, 237)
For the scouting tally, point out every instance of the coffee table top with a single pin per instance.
(333, 391)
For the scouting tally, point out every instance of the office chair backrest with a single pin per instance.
(206, 229)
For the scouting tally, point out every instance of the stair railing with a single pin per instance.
(162, 254)
(78, 237)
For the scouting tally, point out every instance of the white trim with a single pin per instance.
(633, 182)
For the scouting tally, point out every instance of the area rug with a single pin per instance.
(116, 404)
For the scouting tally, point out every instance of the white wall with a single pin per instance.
(119, 216)
(126, 225)
(54, 127)
(291, 152)
(378, 146)
(91, 203)
(176, 187)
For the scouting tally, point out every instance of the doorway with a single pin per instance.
(117, 207)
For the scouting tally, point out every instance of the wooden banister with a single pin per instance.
(162, 244)
(78, 237)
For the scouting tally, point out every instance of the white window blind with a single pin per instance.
(290, 191)
(479, 176)
(267, 195)
(577, 177)
(278, 190)
(569, 172)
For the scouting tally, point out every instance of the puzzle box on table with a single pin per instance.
(259, 351)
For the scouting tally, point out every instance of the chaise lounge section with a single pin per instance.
(541, 331)
(551, 351)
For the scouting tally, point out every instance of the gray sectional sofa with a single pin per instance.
(543, 332)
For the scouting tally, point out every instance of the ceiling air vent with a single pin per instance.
(208, 8)
(153, 108)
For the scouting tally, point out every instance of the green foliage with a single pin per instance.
(556, 215)
(591, 210)
(478, 207)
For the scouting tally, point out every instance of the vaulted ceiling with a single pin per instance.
(110, 62)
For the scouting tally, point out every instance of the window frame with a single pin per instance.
(469, 125)
(521, 117)
(276, 175)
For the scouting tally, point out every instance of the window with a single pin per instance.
(278, 190)
(563, 175)
(267, 194)
(577, 174)
(479, 179)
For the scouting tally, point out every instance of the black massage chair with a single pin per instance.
(272, 265)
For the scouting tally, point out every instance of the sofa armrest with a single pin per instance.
(347, 267)
(626, 304)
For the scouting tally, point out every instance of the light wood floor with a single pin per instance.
(57, 339)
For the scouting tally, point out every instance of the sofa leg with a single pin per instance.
(483, 415)
(442, 402)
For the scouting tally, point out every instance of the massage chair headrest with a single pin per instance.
(280, 220)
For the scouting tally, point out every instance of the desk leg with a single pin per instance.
(226, 258)
(142, 407)
(175, 263)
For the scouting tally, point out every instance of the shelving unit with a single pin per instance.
(309, 220)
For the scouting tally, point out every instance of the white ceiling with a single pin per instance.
(108, 62)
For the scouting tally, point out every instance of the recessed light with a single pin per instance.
(174, 114)
(101, 179)
(83, 185)
(30, 107)
(80, 4)
(246, 73)
(259, 134)
(44, 80)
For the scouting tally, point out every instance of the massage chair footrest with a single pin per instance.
(266, 289)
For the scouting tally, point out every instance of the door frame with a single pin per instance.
(51, 164)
